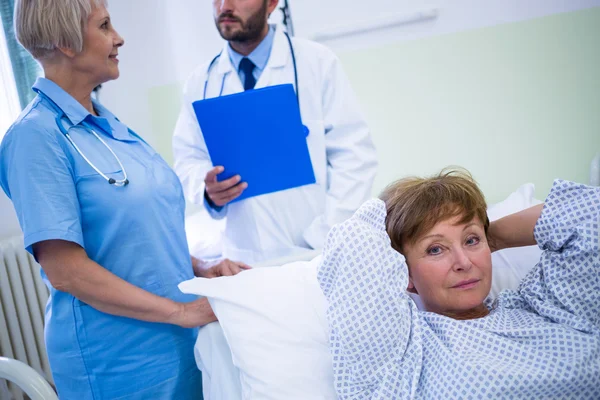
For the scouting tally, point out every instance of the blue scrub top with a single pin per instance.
(135, 231)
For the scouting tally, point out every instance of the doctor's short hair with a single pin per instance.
(42, 26)
(415, 205)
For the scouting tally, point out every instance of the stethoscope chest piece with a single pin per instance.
(115, 182)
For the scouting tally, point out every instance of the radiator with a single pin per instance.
(23, 297)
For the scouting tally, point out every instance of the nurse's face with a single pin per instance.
(450, 267)
(101, 43)
(242, 20)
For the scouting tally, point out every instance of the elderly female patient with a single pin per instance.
(432, 237)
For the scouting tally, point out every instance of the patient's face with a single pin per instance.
(451, 267)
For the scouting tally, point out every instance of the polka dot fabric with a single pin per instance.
(541, 341)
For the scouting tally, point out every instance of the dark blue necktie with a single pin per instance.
(247, 67)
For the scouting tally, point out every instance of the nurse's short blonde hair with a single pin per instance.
(42, 26)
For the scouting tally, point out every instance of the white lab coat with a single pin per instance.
(342, 154)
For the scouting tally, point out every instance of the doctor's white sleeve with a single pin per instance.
(351, 156)
(192, 160)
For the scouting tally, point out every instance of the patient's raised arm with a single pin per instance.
(565, 285)
(370, 314)
(515, 230)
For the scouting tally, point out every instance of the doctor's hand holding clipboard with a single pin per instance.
(219, 193)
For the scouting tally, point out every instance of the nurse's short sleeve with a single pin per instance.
(38, 177)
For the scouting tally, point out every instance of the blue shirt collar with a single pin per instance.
(260, 55)
(76, 113)
(71, 107)
(109, 123)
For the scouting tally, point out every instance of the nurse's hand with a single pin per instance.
(224, 267)
(222, 192)
(193, 314)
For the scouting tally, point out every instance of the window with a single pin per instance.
(9, 97)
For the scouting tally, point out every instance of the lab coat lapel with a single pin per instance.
(278, 60)
(226, 70)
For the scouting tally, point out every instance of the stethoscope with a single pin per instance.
(214, 60)
(60, 116)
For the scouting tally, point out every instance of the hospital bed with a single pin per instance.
(225, 372)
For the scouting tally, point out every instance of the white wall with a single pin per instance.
(454, 16)
(146, 60)
(9, 225)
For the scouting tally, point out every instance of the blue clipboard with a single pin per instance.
(259, 135)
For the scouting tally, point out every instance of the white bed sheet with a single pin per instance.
(220, 378)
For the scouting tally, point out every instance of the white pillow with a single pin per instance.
(510, 266)
(274, 320)
(518, 200)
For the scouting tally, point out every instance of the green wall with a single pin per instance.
(164, 102)
(512, 103)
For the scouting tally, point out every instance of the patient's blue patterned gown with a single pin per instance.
(541, 341)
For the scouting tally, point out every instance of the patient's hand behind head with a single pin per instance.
(440, 225)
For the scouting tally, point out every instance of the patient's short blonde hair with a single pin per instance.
(42, 26)
(415, 205)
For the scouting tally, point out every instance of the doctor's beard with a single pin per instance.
(250, 30)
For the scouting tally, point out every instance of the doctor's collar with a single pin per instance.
(259, 56)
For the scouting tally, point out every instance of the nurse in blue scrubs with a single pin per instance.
(108, 231)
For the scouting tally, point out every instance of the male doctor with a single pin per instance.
(343, 157)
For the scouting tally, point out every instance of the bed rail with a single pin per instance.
(27, 379)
